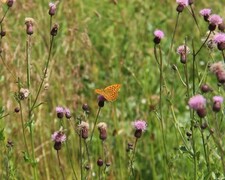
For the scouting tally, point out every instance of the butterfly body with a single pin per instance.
(110, 93)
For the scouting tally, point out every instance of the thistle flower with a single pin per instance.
(214, 20)
(10, 3)
(101, 101)
(52, 8)
(140, 126)
(198, 103)
(219, 39)
(24, 93)
(60, 112)
(183, 51)
(100, 162)
(29, 24)
(217, 101)
(205, 13)
(58, 137)
(54, 30)
(86, 108)
(102, 127)
(67, 113)
(219, 70)
(84, 127)
(181, 5)
(205, 88)
(158, 36)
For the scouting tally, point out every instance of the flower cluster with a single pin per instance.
(63, 111)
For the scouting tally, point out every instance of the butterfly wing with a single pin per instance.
(110, 93)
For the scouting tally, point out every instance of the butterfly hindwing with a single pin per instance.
(110, 92)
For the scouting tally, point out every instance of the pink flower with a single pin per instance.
(183, 3)
(140, 125)
(58, 137)
(219, 38)
(217, 67)
(197, 102)
(205, 12)
(159, 34)
(218, 99)
(183, 50)
(59, 109)
(67, 113)
(215, 19)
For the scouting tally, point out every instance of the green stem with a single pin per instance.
(203, 43)
(60, 166)
(45, 73)
(81, 156)
(96, 119)
(4, 15)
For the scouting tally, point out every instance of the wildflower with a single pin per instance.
(86, 108)
(60, 112)
(17, 109)
(84, 127)
(67, 113)
(52, 8)
(183, 51)
(100, 162)
(214, 20)
(23, 94)
(158, 36)
(10, 3)
(190, 2)
(221, 27)
(54, 30)
(217, 101)
(181, 5)
(29, 23)
(58, 137)
(198, 103)
(101, 101)
(218, 69)
(102, 127)
(140, 126)
(205, 13)
(219, 39)
(205, 88)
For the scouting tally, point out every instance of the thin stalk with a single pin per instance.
(187, 80)
(99, 173)
(203, 43)
(205, 152)
(4, 15)
(88, 154)
(96, 119)
(193, 67)
(132, 158)
(193, 146)
(30, 121)
(81, 156)
(174, 32)
(223, 54)
(45, 73)
(60, 166)
(193, 15)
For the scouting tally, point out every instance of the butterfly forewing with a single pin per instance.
(110, 92)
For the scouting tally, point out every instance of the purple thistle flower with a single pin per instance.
(183, 3)
(159, 34)
(52, 8)
(197, 102)
(58, 137)
(59, 111)
(215, 19)
(183, 50)
(219, 38)
(140, 125)
(67, 113)
(205, 12)
(218, 99)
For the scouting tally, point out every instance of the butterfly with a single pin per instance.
(110, 93)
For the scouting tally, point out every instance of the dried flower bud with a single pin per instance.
(29, 24)
(2, 33)
(23, 94)
(204, 126)
(10, 3)
(205, 88)
(100, 162)
(54, 29)
(102, 127)
(17, 109)
(84, 127)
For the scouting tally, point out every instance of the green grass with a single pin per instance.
(99, 44)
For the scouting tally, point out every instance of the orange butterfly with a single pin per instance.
(110, 93)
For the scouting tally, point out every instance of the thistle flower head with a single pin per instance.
(215, 19)
(218, 99)
(140, 125)
(83, 125)
(219, 38)
(67, 113)
(24, 93)
(159, 34)
(197, 102)
(102, 125)
(183, 3)
(205, 12)
(59, 137)
(217, 67)
(183, 49)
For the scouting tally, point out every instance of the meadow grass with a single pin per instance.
(100, 43)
